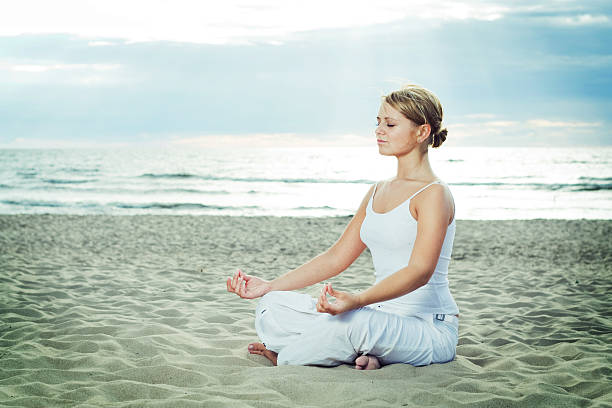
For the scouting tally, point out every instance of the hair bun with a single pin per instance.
(439, 138)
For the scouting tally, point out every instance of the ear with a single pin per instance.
(423, 133)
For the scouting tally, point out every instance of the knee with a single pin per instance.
(267, 300)
(271, 301)
(270, 296)
(339, 326)
(274, 297)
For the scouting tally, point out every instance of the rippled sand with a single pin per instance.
(132, 311)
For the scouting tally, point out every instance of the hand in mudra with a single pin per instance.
(344, 301)
(246, 286)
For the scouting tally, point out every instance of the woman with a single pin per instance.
(408, 315)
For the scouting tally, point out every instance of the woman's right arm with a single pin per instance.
(324, 266)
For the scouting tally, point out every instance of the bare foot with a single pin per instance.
(259, 348)
(367, 363)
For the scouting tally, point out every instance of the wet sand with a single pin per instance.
(129, 311)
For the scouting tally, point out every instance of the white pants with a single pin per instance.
(289, 324)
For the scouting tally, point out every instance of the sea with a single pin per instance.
(487, 183)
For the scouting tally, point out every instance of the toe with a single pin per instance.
(361, 362)
(257, 347)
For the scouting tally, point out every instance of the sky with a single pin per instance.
(76, 73)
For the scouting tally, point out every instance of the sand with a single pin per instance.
(132, 311)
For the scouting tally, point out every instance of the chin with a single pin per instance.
(383, 152)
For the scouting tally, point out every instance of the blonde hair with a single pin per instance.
(420, 106)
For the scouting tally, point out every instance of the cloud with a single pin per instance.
(53, 72)
(272, 140)
(221, 22)
(199, 141)
(44, 67)
(40, 143)
(531, 132)
(544, 123)
(268, 21)
(101, 43)
(491, 76)
(567, 13)
(480, 116)
(581, 20)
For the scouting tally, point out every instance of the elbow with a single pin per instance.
(423, 277)
(338, 259)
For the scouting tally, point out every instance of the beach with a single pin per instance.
(132, 311)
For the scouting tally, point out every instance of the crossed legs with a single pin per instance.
(294, 333)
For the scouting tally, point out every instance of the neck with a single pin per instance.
(415, 166)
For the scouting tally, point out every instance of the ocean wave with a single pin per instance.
(124, 190)
(186, 190)
(591, 187)
(64, 181)
(169, 175)
(77, 170)
(588, 184)
(542, 186)
(323, 207)
(252, 179)
(34, 203)
(177, 206)
(594, 184)
(590, 162)
(595, 179)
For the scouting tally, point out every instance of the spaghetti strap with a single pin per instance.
(433, 182)
(373, 192)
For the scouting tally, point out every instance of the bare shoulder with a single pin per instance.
(435, 199)
(366, 199)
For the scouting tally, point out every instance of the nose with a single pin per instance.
(378, 130)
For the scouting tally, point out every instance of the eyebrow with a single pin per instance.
(387, 117)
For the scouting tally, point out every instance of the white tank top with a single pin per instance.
(390, 237)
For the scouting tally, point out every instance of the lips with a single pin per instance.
(381, 141)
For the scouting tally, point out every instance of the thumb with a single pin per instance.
(331, 290)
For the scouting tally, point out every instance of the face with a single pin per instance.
(397, 135)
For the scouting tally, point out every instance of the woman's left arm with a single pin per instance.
(433, 211)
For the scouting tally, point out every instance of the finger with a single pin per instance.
(324, 301)
(322, 298)
(320, 307)
(232, 285)
(239, 286)
(331, 308)
(243, 289)
(331, 290)
(227, 282)
(235, 280)
(240, 278)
